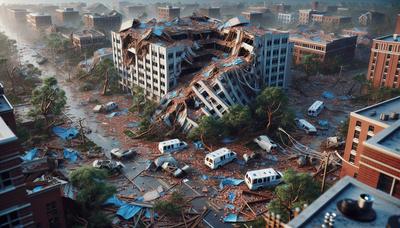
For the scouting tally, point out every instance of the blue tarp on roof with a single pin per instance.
(234, 62)
(70, 154)
(328, 95)
(231, 218)
(30, 154)
(37, 188)
(65, 133)
(158, 30)
(113, 200)
(231, 196)
(229, 181)
(127, 211)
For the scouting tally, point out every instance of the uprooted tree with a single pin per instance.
(48, 100)
(297, 189)
(93, 191)
(171, 207)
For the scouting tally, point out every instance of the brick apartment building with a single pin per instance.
(168, 13)
(67, 17)
(39, 21)
(325, 46)
(24, 203)
(384, 63)
(17, 15)
(255, 18)
(373, 146)
(88, 39)
(213, 12)
(103, 22)
(307, 16)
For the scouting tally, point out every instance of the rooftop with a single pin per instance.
(387, 141)
(373, 112)
(317, 36)
(389, 38)
(347, 188)
(39, 15)
(43, 183)
(6, 135)
(5, 105)
(87, 33)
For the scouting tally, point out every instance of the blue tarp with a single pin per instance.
(65, 133)
(147, 214)
(234, 62)
(158, 30)
(231, 218)
(71, 155)
(198, 145)
(231, 196)
(30, 155)
(37, 188)
(204, 177)
(113, 200)
(127, 211)
(207, 74)
(328, 95)
(230, 206)
(229, 181)
(323, 123)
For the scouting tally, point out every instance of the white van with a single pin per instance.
(171, 146)
(219, 158)
(262, 178)
(316, 108)
(306, 126)
(265, 143)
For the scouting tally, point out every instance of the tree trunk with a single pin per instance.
(106, 81)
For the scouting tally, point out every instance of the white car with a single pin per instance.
(266, 143)
(122, 154)
(109, 165)
(306, 126)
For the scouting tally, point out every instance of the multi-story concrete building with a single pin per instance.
(305, 16)
(17, 15)
(326, 46)
(67, 17)
(373, 146)
(279, 8)
(134, 11)
(254, 17)
(88, 39)
(286, 18)
(361, 33)
(214, 12)
(168, 13)
(217, 66)
(103, 22)
(371, 17)
(39, 21)
(384, 63)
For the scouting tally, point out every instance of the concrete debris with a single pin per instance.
(152, 195)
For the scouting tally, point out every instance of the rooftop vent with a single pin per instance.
(395, 37)
(360, 210)
(394, 116)
(384, 117)
(373, 113)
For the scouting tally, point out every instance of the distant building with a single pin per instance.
(350, 203)
(97, 8)
(255, 18)
(88, 39)
(397, 29)
(384, 64)
(7, 110)
(17, 15)
(135, 11)
(371, 18)
(306, 16)
(279, 8)
(286, 18)
(39, 21)
(168, 13)
(331, 9)
(361, 33)
(68, 17)
(103, 22)
(315, 5)
(326, 46)
(213, 12)
(373, 146)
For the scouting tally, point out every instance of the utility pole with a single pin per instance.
(324, 174)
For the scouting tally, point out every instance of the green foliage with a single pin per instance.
(310, 64)
(172, 207)
(48, 99)
(56, 42)
(139, 99)
(298, 189)
(93, 190)
(99, 220)
(209, 128)
(237, 118)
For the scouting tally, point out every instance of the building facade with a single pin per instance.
(324, 46)
(213, 67)
(286, 18)
(88, 39)
(384, 63)
(39, 21)
(213, 12)
(103, 22)
(68, 17)
(305, 16)
(255, 18)
(168, 13)
(371, 17)
(372, 147)
(17, 15)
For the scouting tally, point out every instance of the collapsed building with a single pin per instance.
(197, 66)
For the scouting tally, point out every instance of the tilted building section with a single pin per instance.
(197, 66)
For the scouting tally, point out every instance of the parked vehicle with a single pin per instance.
(266, 143)
(113, 166)
(219, 158)
(171, 146)
(262, 178)
(110, 106)
(175, 170)
(306, 126)
(122, 154)
(316, 108)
